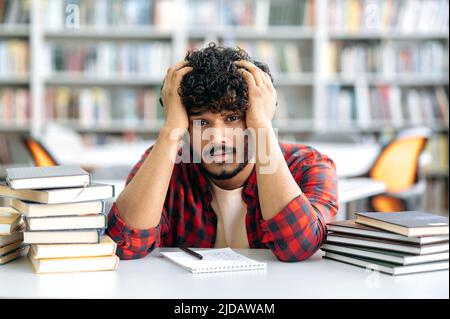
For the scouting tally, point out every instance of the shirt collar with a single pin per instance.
(200, 180)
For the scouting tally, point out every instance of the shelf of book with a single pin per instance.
(14, 31)
(401, 80)
(79, 79)
(14, 80)
(111, 33)
(253, 33)
(387, 35)
(14, 128)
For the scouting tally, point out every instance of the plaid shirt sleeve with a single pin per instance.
(297, 231)
(134, 243)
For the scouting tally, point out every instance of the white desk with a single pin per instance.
(156, 277)
(358, 188)
(350, 159)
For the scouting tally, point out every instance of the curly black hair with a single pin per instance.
(215, 84)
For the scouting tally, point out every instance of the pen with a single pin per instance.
(191, 252)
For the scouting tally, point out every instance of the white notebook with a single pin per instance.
(214, 260)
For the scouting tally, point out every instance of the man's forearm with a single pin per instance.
(141, 202)
(276, 185)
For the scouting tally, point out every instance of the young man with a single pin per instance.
(252, 194)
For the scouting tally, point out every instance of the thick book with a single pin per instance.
(409, 223)
(106, 247)
(91, 236)
(19, 252)
(30, 209)
(384, 255)
(387, 245)
(9, 220)
(17, 235)
(74, 264)
(66, 222)
(43, 177)
(9, 248)
(385, 267)
(95, 191)
(214, 260)
(352, 228)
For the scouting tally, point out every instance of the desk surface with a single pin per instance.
(358, 188)
(156, 277)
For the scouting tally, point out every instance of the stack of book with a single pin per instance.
(64, 218)
(11, 235)
(394, 243)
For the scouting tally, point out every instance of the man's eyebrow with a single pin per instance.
(195, 113)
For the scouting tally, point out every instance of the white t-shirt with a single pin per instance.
(231, 211)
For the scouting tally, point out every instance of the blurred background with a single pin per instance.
(364, 81)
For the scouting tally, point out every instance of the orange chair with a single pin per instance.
(398, 167)
(40, 155)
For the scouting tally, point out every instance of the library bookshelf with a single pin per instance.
(335, 61)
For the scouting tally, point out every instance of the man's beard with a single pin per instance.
(225, 175)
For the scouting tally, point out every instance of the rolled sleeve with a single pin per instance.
(296, 232)
(131, 243)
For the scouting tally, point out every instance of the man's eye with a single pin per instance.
(199, 122)
(233, 118)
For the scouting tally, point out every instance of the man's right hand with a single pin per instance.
(174, 111)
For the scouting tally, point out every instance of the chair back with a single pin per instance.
(397, 166)
(39, 153)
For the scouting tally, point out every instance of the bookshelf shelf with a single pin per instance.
(387, 35)
(301, 79)
(111, 33)
(14, 80)
(14, 31)
(252, 33)
(401, 80)
(91, 80)
(14, 128)
(115, 126)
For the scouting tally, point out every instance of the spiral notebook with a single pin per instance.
(214, 260)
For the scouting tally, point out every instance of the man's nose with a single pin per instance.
(220, 134)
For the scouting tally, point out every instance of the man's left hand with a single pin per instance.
(262, 96)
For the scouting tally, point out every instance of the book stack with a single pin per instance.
(394, 243)
(64, 218)
(11, 235)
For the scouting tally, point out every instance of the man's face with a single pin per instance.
(220, 140)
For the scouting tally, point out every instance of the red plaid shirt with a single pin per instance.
(188, 219)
